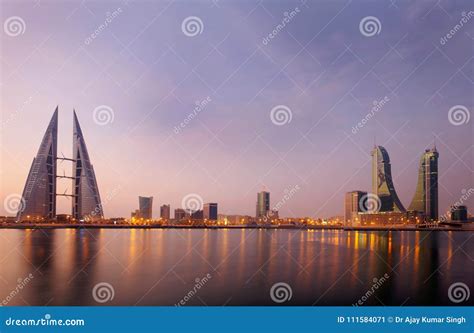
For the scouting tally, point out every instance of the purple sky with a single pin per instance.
(319, 65)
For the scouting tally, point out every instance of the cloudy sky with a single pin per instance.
(134, 71)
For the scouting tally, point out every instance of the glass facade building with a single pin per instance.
(210, 211)
(86, 199)
(426, 195)
(263, 204)
(39, 194)
(145, 205)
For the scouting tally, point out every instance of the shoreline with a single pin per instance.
(469, 227)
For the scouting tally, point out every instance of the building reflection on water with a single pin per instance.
(159, 266)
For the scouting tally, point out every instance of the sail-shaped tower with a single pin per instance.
(39, 193)
(86, 198)
(382, 182)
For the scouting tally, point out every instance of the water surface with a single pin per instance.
(162, 266)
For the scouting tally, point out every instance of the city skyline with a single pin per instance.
(193, 114)
(40, 196)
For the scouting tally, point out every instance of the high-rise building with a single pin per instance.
(382, 182)
(352, 206)
(165, 212)
(426, 195)
(86, 202)
(39, 194)
(263, 204)
(210, 211)
(459, 213)
(145, 205)
(180, 214)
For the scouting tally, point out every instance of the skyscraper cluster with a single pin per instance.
(383, 205)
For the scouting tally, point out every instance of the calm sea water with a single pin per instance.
(233, 266)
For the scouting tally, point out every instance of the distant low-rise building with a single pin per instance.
(459, 213)
(197, 215)
(389, 218)
(180, 214)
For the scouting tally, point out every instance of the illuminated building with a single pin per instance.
(352, 206)
(234, 219)
(382, 182)
(165, 212)
(145, 205)
(135, 214)
(274, 214)
(263, 204)
(388, 218)
(210, 211)
(426, 195)
(39, 194)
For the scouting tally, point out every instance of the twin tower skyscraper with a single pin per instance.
(425, 199)
(40, 192)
